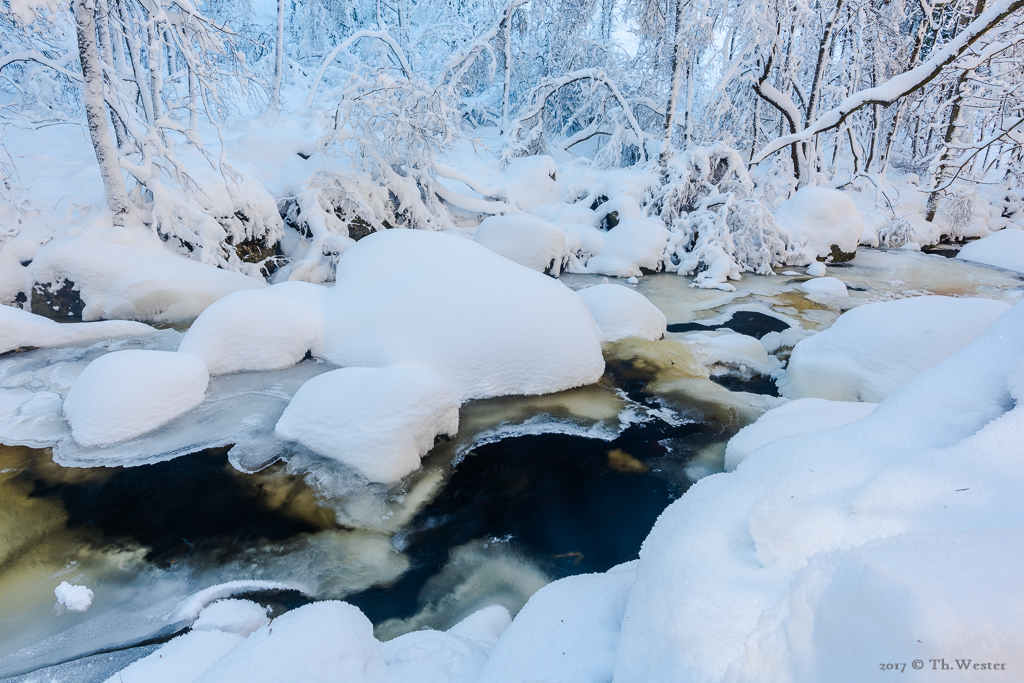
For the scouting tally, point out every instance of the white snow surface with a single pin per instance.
(816, 269)
(441, 302)
(796, 417)
(264, 329)
(21, 329)
(527, 240)
(181, 660)
(829, 286)
(633, 244)
(874, 349)
(623, 312)
(232, 616)
(128, 393)
(814, 219)
(1004, 249)
(378, 421)
(75, 598)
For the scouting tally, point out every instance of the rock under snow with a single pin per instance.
(75, 598)
(633, 244)
(125, 394)
(1004, 249)
(21, 329)
(796, 417)
(816, 269)
(814, 220)
(441, 302)
(874, 349)
(623, 312)
(525, 239)
(829, 286)
(263, 329)
(378, 421)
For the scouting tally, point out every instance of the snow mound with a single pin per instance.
(525, 239)
(264, 329)
(326, 642)
(75, 598)
(378, 421)
(232, 616)
(1004, 249)
(125, 394)
(141, 280)
(816, 218)
(623, 312)
(816, 269)
(829, 286)
(874, 349)
(21, 329)
(796, 417)
(181, 660)
(441, 302)
(633, 244)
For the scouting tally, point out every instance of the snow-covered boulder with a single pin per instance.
(232, 616)
(378, 421)
(1004, 249)
(21, 329)
(327, 642)
(827, 286)
(623, 312)
(441, 302)
(125, 394)
(874, 349)
(816, 219)
(264, 329)
(525, 239)
(796, 417)
(633, 244)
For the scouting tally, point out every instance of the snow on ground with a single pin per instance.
(378, 421)
(75, 598)
(263, 329)
(441, 302)
(623, 312)
(816, 218)
(874, 349)
(125, 394)
(1004, 249)
(527, 240)
(20, 329)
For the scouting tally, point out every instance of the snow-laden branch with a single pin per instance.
(1005, 131)
(34, 56)
(379, 35)
(903, 84)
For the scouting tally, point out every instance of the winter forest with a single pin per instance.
(571, 341)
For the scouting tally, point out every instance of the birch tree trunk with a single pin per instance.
(275, 93)
(678, 64)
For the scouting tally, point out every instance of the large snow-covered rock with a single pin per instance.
(814, 220)
(1004, 249)
(441, 302)
(21, 329)
(525, 239)
(623, 312)
(874, 349)
(125, 394)
(796, 417)
(263, 329)
(378, 421)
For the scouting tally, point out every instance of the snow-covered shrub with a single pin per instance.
(896, 232)
(959, 211)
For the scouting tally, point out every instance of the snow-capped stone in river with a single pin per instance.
(74, 598)
(815, 219)
(125, 394)
(527, 240)
(378, 421)
(623, 312)
(441, 302)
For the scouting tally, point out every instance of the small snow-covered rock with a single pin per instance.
(126, 394)
(378, 421)
(829, 286)
(633, 244)
(75, 598)
(1004, 249)
(816, 269)
(489, 327)
(21, 329)
(815, 219)
(623, 312)
(232, 616)
(264, 329)
(874, 349)
(796, 417)
(525, 239)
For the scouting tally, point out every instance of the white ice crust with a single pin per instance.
(21, 329)
(378, 421)
(125, 394)
(872, 350)
(623, 312)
